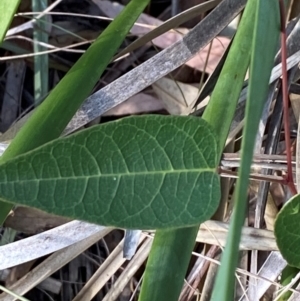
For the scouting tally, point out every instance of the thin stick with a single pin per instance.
(289, 178)
(232, 174)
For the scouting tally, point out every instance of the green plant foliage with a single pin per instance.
(53, 115)
(41, 62)
(167, 265)
(287, 276)
(218, 114)
(287, 231)
(265, 41)
(138, 172)
(7, 9)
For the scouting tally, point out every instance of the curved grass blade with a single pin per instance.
(53, 115)
(266, 33)
(7, 9)
(147, 172)
(168, 25)
(219, 114)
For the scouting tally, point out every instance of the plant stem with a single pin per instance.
(286, 118)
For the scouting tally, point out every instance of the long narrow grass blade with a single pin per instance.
(167, 264)
(176, 245)
(221, 107)
(266, 33)
(41, 62)
(169, 24)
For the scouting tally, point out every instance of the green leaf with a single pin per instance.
(53, 115)
(7, 9)
(139, 172)
(287, 231)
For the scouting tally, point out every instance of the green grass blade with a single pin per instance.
(266, 33)
(287, 276)
(12, 294)
(167, 264)
(7, 9)
(53, 115)
(143, 172)
(41, 62)
(222, 105)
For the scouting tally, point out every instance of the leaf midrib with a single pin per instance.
(180, 171)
